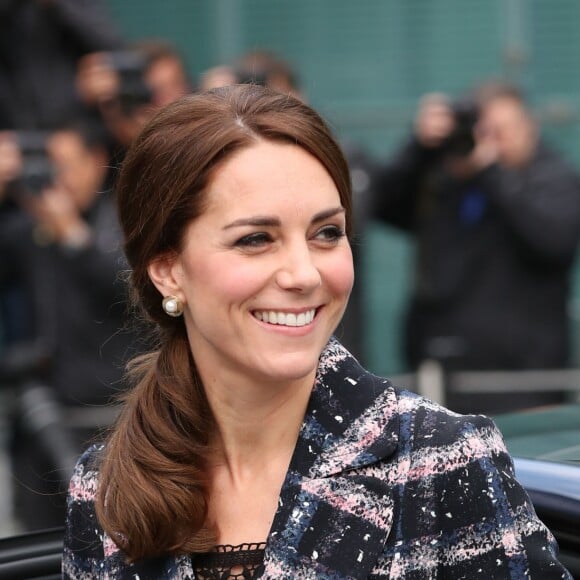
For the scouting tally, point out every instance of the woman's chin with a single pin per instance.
(291, 368)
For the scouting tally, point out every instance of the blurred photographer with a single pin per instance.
(59, 249)
(124, 88)
(496, 215)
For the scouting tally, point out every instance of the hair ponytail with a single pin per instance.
(152, 496)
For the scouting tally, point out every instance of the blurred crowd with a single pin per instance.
(72, 98)
(496, 216)
(494, 211)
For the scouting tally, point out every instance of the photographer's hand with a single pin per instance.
(485, 152)
(96, 81)
(10, 160)
(59, 218)
(434, 121)
(483, 155)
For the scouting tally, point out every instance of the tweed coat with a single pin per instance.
(382, 484)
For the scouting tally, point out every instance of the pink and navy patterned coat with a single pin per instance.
(382, 484)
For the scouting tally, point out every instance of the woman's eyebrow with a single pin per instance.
(327, 213)
(263, 221)
(271, 221)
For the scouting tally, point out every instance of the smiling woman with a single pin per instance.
(271, 239)
(252, 443)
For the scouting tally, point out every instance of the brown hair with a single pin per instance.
(152, 496)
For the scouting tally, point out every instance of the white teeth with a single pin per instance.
(286, 318)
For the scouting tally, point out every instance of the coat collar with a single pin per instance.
(351, 419)
(333, 517)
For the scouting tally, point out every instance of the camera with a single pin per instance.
(461, 141)
(251, 76)
(37, 171)
(130, 66)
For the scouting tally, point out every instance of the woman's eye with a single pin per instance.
(254, 240)
(330, 233)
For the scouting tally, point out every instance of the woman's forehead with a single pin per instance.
(270, 177)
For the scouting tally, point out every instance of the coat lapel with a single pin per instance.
(334, 514)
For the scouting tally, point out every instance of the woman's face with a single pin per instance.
(265, 272)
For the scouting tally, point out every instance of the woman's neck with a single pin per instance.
(257, 429)
(257, 425)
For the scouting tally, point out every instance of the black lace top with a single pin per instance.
(227, 562)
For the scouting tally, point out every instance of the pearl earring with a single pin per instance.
(172, 306)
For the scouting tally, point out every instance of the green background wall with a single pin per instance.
(364, 65)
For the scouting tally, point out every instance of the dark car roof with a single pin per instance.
(550, 434)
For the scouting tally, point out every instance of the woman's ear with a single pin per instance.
(165, 273)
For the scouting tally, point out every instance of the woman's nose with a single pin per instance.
(297, 270)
